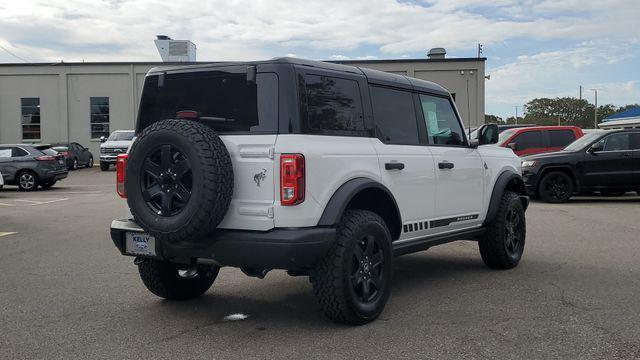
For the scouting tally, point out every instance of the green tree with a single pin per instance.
(493, 119)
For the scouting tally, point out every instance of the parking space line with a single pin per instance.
(3, 204)
(5, 233)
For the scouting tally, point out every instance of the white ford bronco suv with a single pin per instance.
(323, 170)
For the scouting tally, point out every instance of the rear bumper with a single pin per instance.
(54, 175)
(283, 248)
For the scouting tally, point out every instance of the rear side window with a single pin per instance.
(331, 105)
(440, 119)
(224, 101)
(394, 116)
(529, 140)
(8, 152)
(560, 138)
(5, 153)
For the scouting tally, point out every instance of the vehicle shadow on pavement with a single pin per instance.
(286, 301)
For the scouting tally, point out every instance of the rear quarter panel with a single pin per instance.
(330, 161)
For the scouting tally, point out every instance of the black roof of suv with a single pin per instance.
(373, 76)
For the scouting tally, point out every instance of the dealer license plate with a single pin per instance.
(138, 243)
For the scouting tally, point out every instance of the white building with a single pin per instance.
(82, 101)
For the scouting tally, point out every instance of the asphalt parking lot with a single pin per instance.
(65, 292)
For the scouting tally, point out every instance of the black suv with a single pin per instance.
(604, 161)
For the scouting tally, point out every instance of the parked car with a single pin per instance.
(538, 139)
(30, 166)
(117, 143)
(607, 161)
(74, 154)
(501, 128)
(355, 167)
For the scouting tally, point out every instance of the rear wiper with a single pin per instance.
(216, 119)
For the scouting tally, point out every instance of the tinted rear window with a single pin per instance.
(225, 101)
(560, 138)
(394, 116)
(331, 105)
(49, 151)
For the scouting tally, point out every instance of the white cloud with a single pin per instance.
(249, 29)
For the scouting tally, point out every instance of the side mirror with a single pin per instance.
(596, 147)
(488, 134)
(103, 139)
(513, 146)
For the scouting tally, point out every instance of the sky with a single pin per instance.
(534, 48)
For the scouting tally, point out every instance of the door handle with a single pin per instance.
(445, 165)
(394, 166)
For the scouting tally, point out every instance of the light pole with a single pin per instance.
(516, 114)
(595, 110)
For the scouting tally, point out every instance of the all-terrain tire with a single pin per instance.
(161, 277)
(494, 245)
(555, 187)
(211, 180)
(331, 279)
(104, 166)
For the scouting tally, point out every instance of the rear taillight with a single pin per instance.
(121, 166)
(291, 179)
(46, 158)
(65, 153)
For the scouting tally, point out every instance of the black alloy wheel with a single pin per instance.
(513, 238)
(367, 275)
(556, 187)
(166, 180)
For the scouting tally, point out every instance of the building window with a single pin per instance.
(99, 117)
(30, 108)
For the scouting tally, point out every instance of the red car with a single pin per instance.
(539, 139)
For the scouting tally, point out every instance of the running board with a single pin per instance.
(415, 245)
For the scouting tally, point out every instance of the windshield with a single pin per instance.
(582, 142)
(121, 136)
(223, 100)
(505, 135)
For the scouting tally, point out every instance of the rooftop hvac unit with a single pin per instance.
(175, 50)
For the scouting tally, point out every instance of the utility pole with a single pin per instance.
(516, 114)
(580, 92)
(595, 110)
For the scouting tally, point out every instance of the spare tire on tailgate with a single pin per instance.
(179, 180)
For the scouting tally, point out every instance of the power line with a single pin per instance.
(14, 55)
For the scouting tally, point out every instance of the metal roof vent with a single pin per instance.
(436, 53)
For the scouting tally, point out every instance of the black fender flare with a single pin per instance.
(501, 184)
(345, 193)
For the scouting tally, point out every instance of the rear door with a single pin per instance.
(558, 139)
(406, 165)
(243, 110)
(459, 168)
(614, 166)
